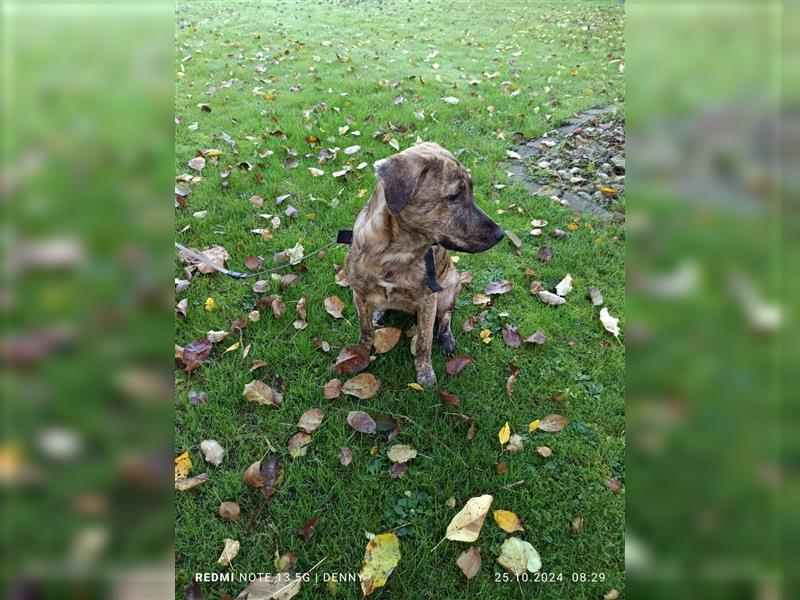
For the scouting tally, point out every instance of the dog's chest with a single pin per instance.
(399, 289)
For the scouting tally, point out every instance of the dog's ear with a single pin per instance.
(400, 175)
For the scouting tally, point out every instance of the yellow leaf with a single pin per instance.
(504, 433)
(380, 559)
(607, 191)
(534, 425)
(182, 465)
(210, 304)
(232, 347)
(466, 525)
(572, 226)
(486, 336)
(416, 386)
(508, 521)
(373, 451)
(455, 259)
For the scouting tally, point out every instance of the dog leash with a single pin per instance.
(345, 236)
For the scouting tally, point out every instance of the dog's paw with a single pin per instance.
(426, 376)
(447, 342)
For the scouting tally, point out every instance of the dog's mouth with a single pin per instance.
(480, 245)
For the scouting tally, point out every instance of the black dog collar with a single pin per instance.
(346, 237)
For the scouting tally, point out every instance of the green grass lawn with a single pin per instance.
(308, 70)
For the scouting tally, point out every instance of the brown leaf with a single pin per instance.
(278, 306)
(311, 420)
(501, 468)
(544, 451)
(291, 163)
(325, 346)
(265, 475)
(256, 201)
(496, 288)
(239, 323)
(455, 364)
(545, 254)
(577, 525)
(188, 483)
(288, 280)
(229, 511)
(513, 371)
(345, 456)
(361, 422)
(298, 444)
(386, 338)
(193, 591)
(352, 359)
(196, 353)
(471, 428)
(333, 389)
(511, 336)
(466, 278)
(401, 453)
(180, 307)
(612, 483)
(259, 392)
(260, 286)
(449, 398)
(397, 470)
(553, 423)
(363, 386)
(334, 306)
(538, 338)
(257, 364)
(197, 397)
(253, 262)
(307, 530)
(536, 287)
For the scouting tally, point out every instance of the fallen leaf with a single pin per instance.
(191, 482)
(515, 443)
(180, 307)
(260, 286)
(612, 483)
(259, 392)
(196, 353)
(345, 456)
(466, 525)
(198, 163)
(470, 562)
(481, 299)
(511, 336)
(229, 511)
(193, 591)
(610, 323)
(386, 338)
(212, 452)
(401, 453)
(545, 254)
(182, 465)
(256, 201)
(307, 530)
(284, 562)
(361, 422)
(229, 552)
(486, 336)
(333, 389)
(498, 287)
(553, 423)
(311, 420)
(577, 525)
(316, 172)
(534, 425)
(215, 254)
(352, 359)
(544, 451)
(501, 468)
(536, 287)
(380, 558)
(397, 470)
(537, 338)
(517, 556)
(298, 444)
(277, 586)
(334, 306)
(595, 296)
(612, 594)
(197, 397)
(564, 286)
(216, 336)
(514, 239)
(449, 398)
(325, 346)
(253, 262)
(257, 364)
(539, 223)
(363, 386)
(457, 363)
(504, 433)
(288, 280)
(451, 99)
(512, 370)
(550, 298)
(507, 520)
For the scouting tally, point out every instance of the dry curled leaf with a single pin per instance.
(229, 552)
(511, 336)
(352, 359)
(212, 451)
(386, 338)
(507, 521)
(470, 562)
(449, 398)
(513, 370)
(196, 353)
(380, 559)
(595, 296)
(333, 389)
(515, 443)
(553, 423)
(577, 525)
(361, 422)
(564, 286)
(466, 525)
(612, 594)
(363, 386)
(259, 392)
(537, 338)
(457, 363)
(397, 470)
(517, 556)
(544, 451)
(311, 420)
(334, 306)
(191, 482)
(345, 456)
(610, 323)
(545, 254)
(298, 444)
(307, 530)
(229, 511)
(497, 287)
(550, 298)
(276, 586)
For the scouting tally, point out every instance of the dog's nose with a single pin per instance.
(499, 234)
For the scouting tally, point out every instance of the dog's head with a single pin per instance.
(430, 193)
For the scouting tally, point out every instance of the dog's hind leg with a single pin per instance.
(365, 322)
(426, 315)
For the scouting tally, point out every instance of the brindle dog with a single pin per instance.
(423, 200)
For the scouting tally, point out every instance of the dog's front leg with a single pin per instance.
(365, 309)
(426, 315)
